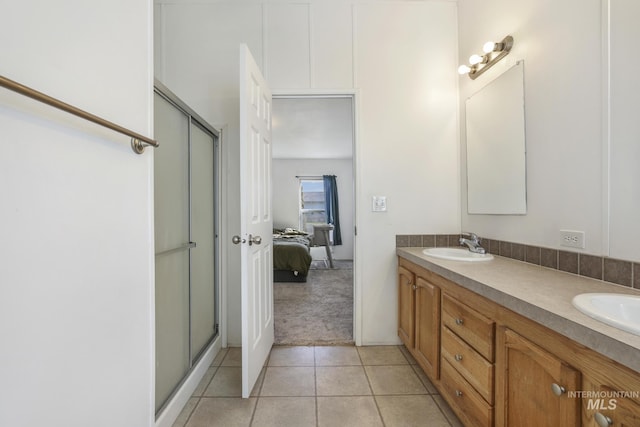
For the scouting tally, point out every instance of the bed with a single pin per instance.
(291, 255)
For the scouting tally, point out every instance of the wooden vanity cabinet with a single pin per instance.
(406, 306)
(497, 368)
(419, 317)
(533, 385)
(467, 349)
(617, 402)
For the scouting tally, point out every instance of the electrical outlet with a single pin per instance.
(572, 238)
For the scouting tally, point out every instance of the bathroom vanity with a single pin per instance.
(503, 344)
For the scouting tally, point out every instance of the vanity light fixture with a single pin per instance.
(493, 52)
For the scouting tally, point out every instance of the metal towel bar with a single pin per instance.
(137, 141)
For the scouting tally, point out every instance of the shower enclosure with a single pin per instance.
(185, 202)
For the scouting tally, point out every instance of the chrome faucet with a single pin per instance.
(472, 241)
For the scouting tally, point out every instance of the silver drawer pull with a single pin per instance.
(558, 390)
(602, 420)
(459, 321)
(458, 357)
(458, 393)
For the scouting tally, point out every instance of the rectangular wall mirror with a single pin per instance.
(496, 163)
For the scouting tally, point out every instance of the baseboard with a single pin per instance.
(172, 410)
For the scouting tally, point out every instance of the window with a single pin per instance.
(312, 204)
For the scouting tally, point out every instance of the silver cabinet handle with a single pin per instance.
(459, 321)
(558, 390)
(602, 420)
(414, 287)
(237, 240)
(458, 393)
(458, 357)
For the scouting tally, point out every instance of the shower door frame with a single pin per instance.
(196, 120)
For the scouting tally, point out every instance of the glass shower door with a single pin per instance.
(171, 174)
(185, 234)
(203, 313)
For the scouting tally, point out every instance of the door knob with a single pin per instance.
(237, 239)
(254, 240)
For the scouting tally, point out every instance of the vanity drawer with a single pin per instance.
(465, 400)
(476, 329)
(469, 363)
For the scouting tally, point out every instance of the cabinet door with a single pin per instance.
(427, 315)
(532, 385)
(608, 407)
(406, 306)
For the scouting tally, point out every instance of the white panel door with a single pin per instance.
(256, 220)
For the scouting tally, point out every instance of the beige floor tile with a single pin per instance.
(222, 412)
(227, 382)
(341, 381)
(285, 412)
(408, 411)
(204, 382)
(288, 381)
(186, 412)
(352, 411)
(291, 356)
(258, 385)
(394, 380)
(425, 380)
(446, 410)
(337, 356)
(233, 357)
(382, 355)
(408, 355)
(219, 357)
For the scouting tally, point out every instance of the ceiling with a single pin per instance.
(312, 128)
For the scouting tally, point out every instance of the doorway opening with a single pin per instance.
(314, 143)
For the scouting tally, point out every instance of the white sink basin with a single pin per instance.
(456, 254)
(618, 310)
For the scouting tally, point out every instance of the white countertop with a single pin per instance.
(541, 294)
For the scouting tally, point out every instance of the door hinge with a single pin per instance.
(216, 329)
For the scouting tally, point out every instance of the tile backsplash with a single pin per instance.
(616, 271)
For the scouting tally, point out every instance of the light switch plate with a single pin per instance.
(379, 204)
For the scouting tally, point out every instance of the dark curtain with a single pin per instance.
(331, 206)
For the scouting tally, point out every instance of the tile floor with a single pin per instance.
(319, 386)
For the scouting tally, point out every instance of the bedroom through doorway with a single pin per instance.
(314, 210)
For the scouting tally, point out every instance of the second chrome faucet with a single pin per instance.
(472, 241)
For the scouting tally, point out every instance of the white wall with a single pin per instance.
(76, 277)
(400, 58)
(560, 43)
(286, 190)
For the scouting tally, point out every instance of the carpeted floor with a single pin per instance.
(318, 312)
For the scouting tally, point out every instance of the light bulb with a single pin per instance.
(475, 59)
(463, 69)
(488, 47)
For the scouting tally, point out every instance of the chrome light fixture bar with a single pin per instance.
(493, 52)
